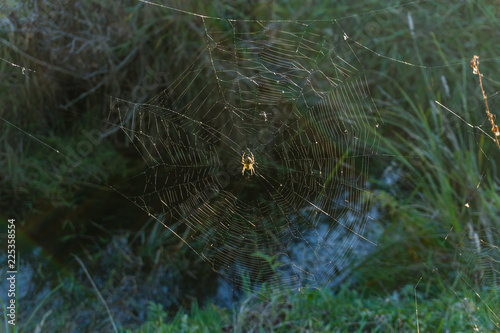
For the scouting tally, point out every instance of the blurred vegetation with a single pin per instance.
(79, 56)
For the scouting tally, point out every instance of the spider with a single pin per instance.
(248, 163)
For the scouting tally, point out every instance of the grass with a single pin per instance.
(348, 310)
(439, 253)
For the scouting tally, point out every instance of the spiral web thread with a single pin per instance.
(294, 96)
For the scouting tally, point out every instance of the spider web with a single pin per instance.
(294, 95)
(298, 102)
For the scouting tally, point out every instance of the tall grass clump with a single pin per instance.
(64, 64)
(442, 214)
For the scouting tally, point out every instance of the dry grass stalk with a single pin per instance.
(474, 63)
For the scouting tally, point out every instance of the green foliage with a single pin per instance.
(211, 319)
(347, 311)
(441, 159)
